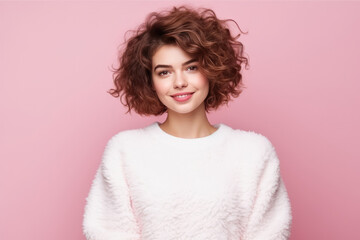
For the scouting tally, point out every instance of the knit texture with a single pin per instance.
(151, 185)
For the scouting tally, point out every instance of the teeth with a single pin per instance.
(182, 96)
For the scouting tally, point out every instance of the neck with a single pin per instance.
(189, 125)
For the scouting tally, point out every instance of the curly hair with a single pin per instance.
(197, 32)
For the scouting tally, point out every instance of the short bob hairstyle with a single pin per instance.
(197, 32)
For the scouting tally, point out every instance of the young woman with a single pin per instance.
(185, 178)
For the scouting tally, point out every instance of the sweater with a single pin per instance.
(151, 185)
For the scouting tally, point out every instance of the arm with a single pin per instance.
(271, 213)
(108, 213)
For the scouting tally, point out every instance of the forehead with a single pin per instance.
(170, 55)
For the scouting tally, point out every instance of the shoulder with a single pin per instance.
(251, 138)
(130, 137)
(250, 143)
(125, 135)
(121, 144)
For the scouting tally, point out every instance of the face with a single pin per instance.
(177, 80)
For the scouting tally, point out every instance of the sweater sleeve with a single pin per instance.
(271, 213)
(108, 213)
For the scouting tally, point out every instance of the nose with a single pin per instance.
(180, 81)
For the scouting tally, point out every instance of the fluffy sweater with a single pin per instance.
(151, 185)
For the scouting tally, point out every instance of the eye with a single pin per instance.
(192, 68)
(163, 73)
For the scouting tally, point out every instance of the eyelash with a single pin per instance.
(194, 66)
(162, 73)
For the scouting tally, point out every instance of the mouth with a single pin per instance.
(181, 97)
(182, 94)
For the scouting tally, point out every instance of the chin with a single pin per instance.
(186, 110)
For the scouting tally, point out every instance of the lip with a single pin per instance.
(183, 93)
(184, 98)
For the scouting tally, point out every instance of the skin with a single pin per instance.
(174, 71)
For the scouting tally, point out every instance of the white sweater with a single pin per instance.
(151, 185)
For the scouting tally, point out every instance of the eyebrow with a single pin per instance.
(168, 66)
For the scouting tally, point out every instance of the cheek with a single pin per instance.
(203, 83)
(160, 88)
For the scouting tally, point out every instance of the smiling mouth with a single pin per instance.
(182, 95)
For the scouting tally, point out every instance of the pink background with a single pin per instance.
(302, 93)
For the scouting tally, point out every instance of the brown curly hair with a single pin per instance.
(201, 35)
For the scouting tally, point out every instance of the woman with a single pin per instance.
(185, 178)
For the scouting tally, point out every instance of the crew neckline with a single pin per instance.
(168, 137)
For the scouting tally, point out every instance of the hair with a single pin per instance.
(197, 32)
